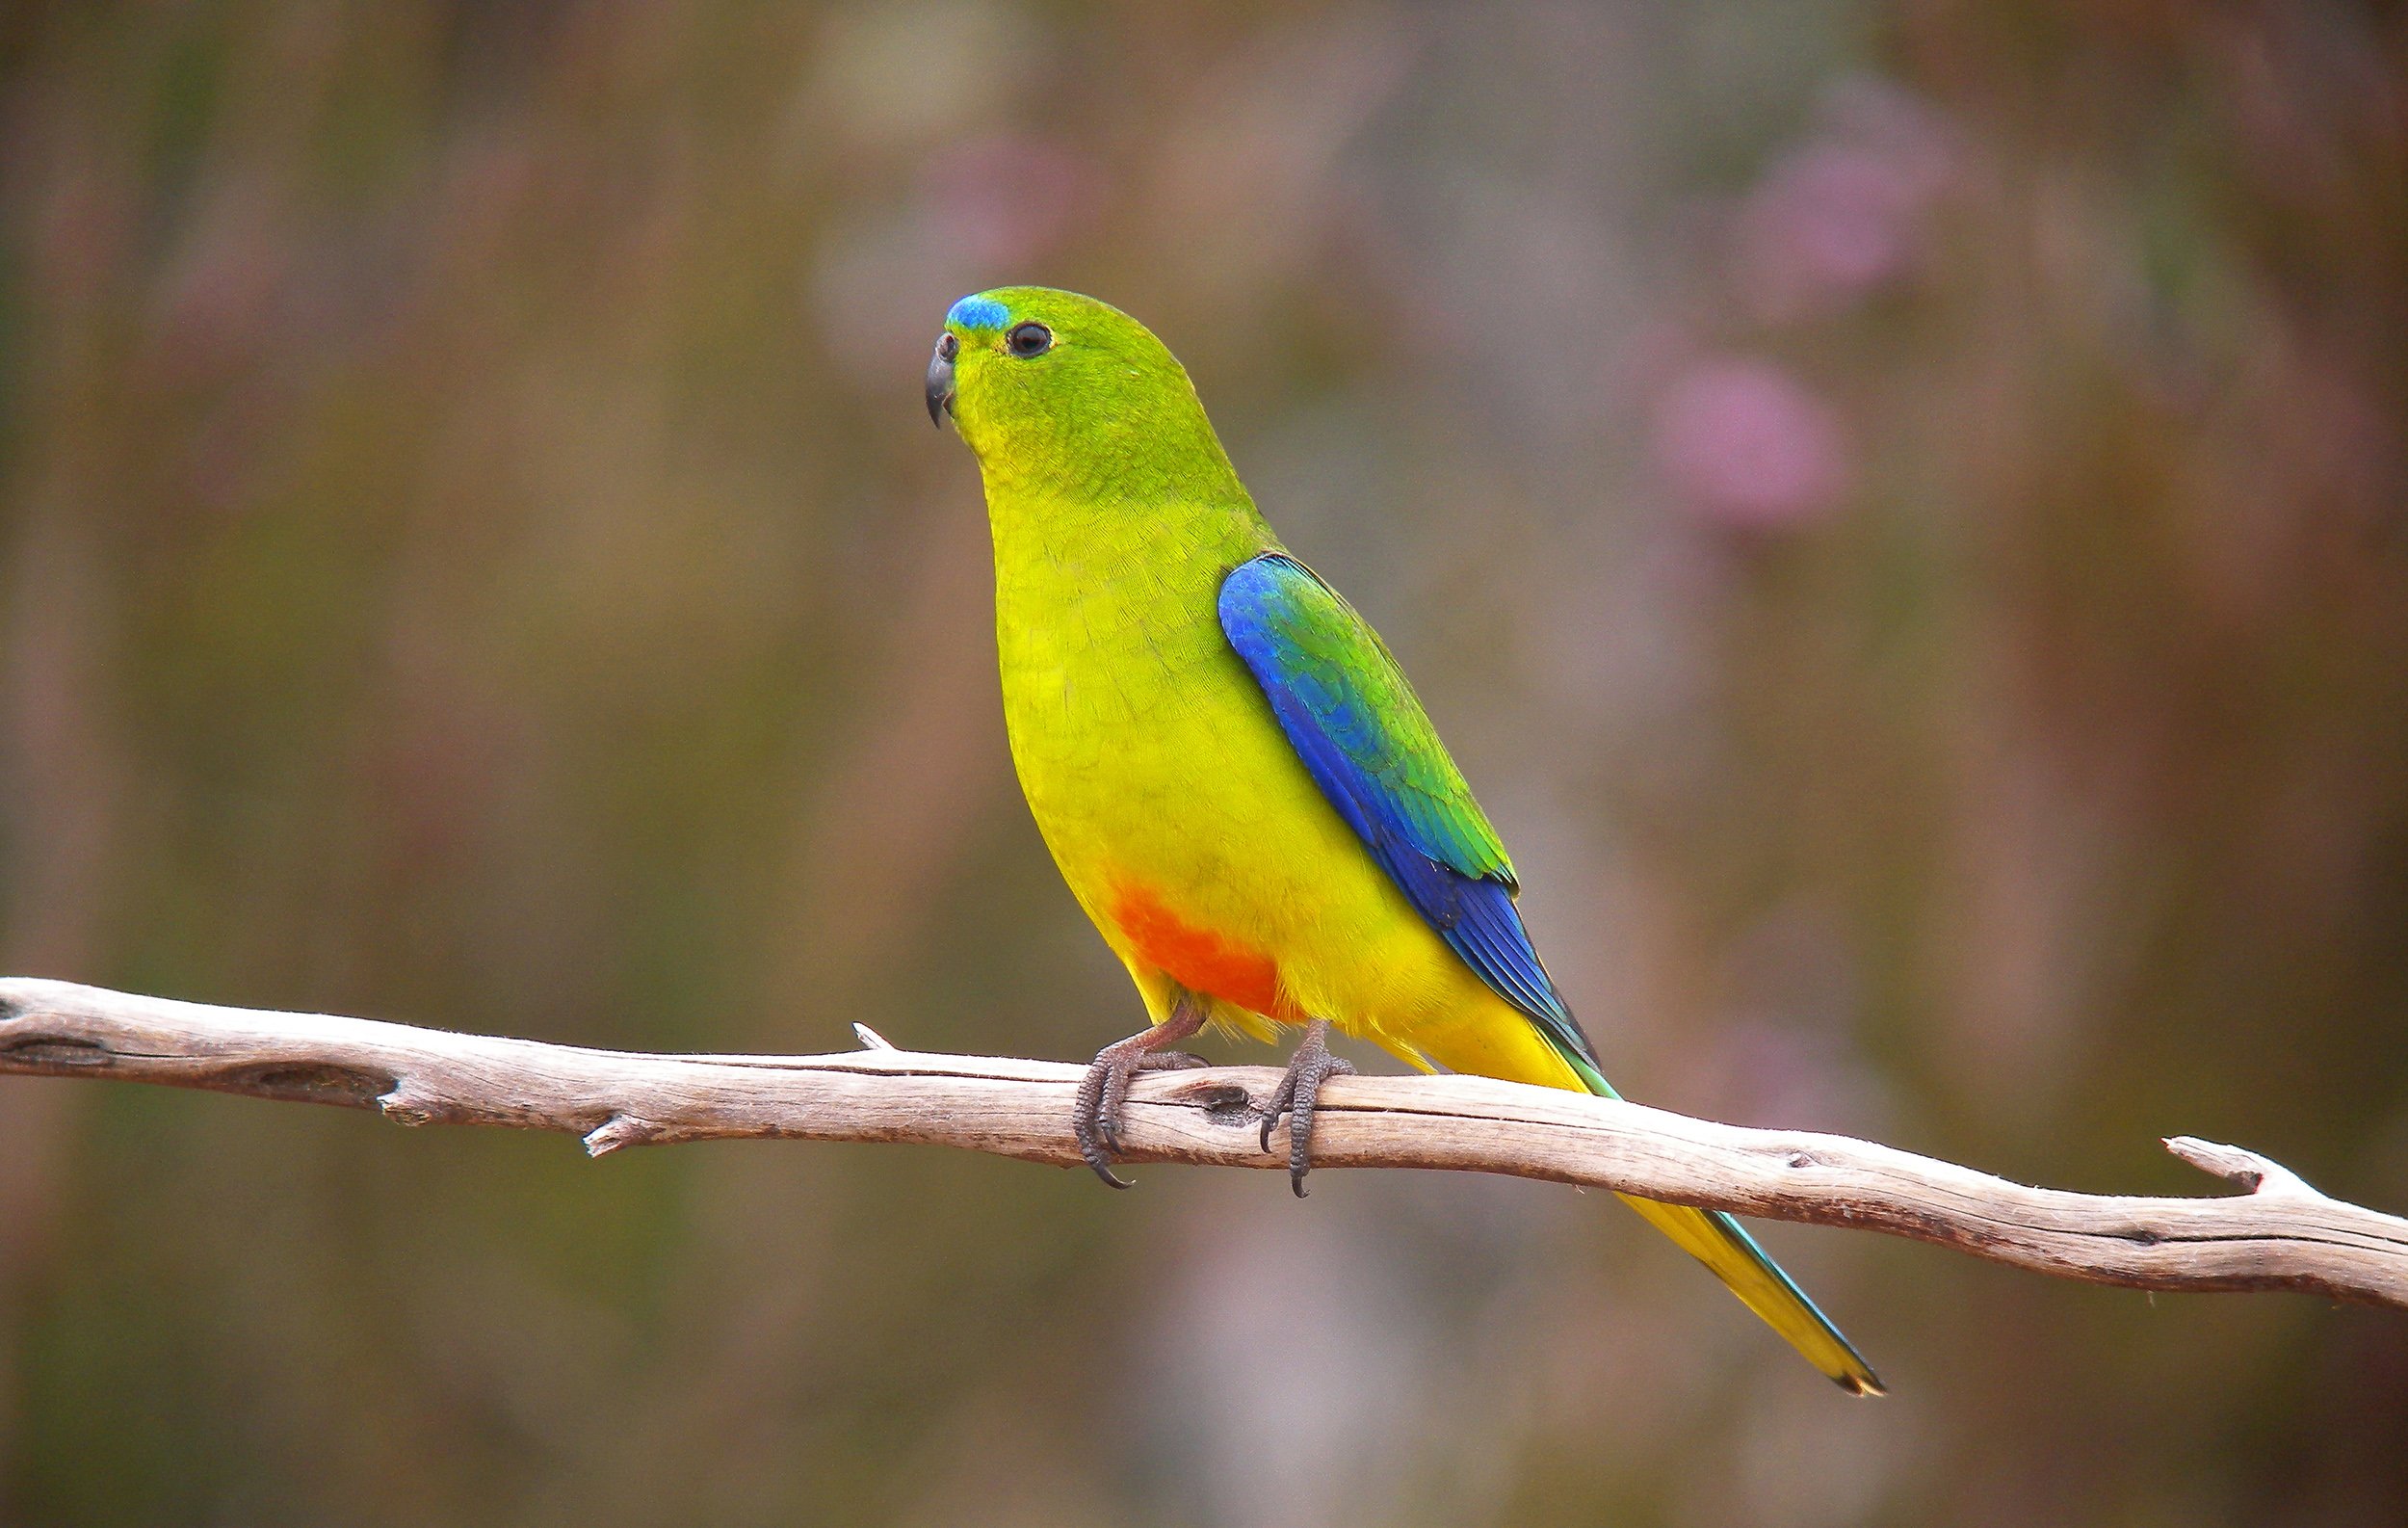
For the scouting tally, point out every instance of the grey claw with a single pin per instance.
(1104, 1092)
(1299, 1096)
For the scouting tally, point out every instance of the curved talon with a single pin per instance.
(1299, 1096)
(1104, 1092)
(1084, 1110)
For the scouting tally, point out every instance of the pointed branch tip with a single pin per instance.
(619, 1130)
(2237, 1165)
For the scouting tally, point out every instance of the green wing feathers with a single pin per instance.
(1311, 652)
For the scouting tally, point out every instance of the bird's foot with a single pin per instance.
(1104, 1092)
(1299, 1093)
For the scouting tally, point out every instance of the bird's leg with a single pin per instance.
(1299, 1093)
(1095, 1115)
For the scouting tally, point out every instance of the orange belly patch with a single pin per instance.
(1198, 959)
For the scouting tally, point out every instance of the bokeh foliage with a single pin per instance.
(1900, 508)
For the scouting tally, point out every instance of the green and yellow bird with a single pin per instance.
(1235, 777)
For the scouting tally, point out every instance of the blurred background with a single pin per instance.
(1899, 507)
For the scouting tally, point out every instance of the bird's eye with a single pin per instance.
(1027, 340)
(947, 347)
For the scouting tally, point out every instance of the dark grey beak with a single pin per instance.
(941, 378)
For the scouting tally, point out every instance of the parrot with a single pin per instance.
(1241, 790)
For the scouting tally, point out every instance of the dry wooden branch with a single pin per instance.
(2278, 1234)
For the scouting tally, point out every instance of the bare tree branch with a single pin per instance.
(2278, 1234)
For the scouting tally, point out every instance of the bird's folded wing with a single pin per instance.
(1362, 733)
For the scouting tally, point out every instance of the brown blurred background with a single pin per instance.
(1899, 507)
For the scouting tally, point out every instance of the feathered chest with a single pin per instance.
(1133, 721)
(1105, 665)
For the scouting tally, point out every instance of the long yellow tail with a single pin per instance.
(1722, 1243)
(1724, 1246)
(1524, 1053)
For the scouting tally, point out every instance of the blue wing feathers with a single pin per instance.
(1489, 935)
(1362, 737)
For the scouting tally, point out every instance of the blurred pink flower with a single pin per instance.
(1743, 442)
(1838, 216)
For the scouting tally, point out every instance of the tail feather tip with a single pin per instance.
(1863, 1382)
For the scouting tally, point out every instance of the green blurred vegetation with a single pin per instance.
(1900, 508)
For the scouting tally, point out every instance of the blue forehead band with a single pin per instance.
(978, 312)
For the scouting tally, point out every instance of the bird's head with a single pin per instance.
(1055, 390)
